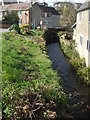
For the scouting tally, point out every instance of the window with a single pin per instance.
(9, 11)
(20, 21)
(81, 40)
(19, 12)
(80, 16)
(58, 5)
(88, 45)
(0, 13)
(45, 14)
(25, 19)
(49, 15)
(89, 16)
(24, 12)
(46, 22)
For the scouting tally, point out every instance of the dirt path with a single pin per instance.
(77, 92)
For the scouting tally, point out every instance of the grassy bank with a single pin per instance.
(78, 64)
(31, 89)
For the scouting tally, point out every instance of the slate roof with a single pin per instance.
(62, 3)
(9, 1)
(85, 6)
(49, 9)
(20, 6)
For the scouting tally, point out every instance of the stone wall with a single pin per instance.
(4, 25)
(83, 30)
(36, 15)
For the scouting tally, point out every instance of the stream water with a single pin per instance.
(77, 92)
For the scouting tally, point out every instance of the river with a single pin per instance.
(76, 91)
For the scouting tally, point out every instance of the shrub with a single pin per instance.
(35, 32)
(50, 36)
(15, 27)
(78, 65)
(61, 33)
(10, 17)
(25, 29)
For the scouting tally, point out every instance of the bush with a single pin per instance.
(50, 36)
(35, 32)
(61, 33)
(78, 65)
(10, 17)
(25, 29)
(15, 27)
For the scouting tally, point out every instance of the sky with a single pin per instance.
(53, 1)
(50, 2)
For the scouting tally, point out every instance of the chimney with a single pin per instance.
(2, 2)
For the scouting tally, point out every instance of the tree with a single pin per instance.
(11, 17)
(68, 16)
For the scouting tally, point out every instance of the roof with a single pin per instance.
(85, 6)
(10, 1)
(20, 6)
(62, 3)
(51, 10)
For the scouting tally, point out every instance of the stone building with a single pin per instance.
(4, 2)
(22, 9)
(49, 17)
(83, 32)
(61, 5)
(76, 6)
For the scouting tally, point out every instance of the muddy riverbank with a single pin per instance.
(76, 91)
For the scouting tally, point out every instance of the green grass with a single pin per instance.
(25, 64)
(78, 64)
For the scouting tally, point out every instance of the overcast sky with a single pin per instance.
(50, 2)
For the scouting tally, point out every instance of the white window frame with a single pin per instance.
(20, 21)
(19, 13)
(45, 14)
(80, 16)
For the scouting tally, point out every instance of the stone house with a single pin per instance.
(48, 16)
(77, 5)
(82, 38)
(61, 5)
(4, 2)
(22, 9)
